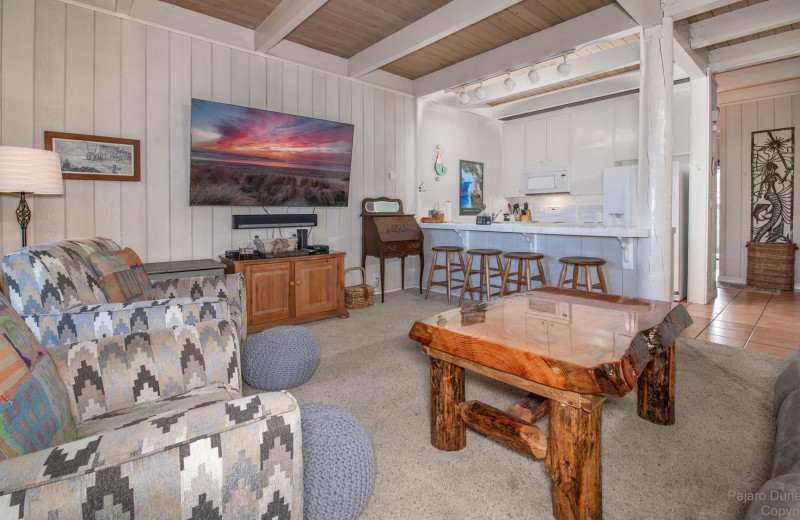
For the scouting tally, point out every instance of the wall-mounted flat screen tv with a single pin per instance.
(249, 157)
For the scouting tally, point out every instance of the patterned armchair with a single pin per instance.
(56, 292)
(161, 431)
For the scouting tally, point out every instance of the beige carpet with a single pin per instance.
(721, 443)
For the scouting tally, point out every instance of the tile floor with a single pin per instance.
(756, 321)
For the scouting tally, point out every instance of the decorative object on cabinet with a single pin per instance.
(772, 195)
(439, 166)
(359, 296)
(28, 170)
(96, 158)
(470, 199)
(287, 290)
(387, 233)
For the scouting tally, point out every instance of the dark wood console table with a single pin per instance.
(387, 233)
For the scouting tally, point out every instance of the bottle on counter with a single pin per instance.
(483, 218)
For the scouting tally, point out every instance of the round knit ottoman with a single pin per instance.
(338, 463)
(280, 358)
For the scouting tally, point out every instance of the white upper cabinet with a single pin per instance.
(513, 159)
(535, 143)
(626, 130)
(558, 140)
(592, 148)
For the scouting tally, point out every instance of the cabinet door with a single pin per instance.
(268, 292)
(315, 287)
(593, 149)
(513, 159)
(626, 130)
(558, 140)
(536, 143)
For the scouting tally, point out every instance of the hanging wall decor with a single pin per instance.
(772, 195)
(439, 166)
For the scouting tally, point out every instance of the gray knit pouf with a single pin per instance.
(338, 463)
(280, 358)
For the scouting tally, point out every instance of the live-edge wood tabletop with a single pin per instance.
(583, 342)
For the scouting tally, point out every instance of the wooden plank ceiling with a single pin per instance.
(518, 21)
(247, 13)
(346, 27)
(735, 7)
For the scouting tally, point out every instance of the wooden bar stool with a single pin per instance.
(586, 262)
(486, 272)
(522, 275)
(450, 267)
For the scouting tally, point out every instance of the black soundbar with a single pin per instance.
(274, 221)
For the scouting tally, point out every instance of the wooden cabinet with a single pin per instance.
(289, 290)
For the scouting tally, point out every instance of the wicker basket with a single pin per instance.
(435, 219)
(770, 265)
(359, 296)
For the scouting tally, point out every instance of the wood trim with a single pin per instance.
(137, 165)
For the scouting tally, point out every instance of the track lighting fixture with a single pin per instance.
(509, 83)
(533, 75)
(564, 68)
(464, 97)
(480, 92)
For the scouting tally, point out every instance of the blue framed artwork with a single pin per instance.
(470, 197)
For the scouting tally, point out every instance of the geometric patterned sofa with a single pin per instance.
(161, 431)
(56, 292)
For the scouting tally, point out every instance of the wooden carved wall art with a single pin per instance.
(772, 195)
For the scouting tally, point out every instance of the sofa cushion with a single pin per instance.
(787, 437)
(118, 372)
(118, 281)
(788, 379)
(34, 405)
(62, 275)
(191, 400)
(135, 263)
(777, 498)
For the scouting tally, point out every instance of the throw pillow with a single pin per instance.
(34, 405)
(116, 278)
(135, 263)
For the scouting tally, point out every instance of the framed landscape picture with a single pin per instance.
(470, 196)
(95, 158)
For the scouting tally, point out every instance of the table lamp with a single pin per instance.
(29, 170)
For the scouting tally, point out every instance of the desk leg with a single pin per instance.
(448, 430)
(402, 273)
(421, 267)
(573, 462)
(655, 389)
(383, 278)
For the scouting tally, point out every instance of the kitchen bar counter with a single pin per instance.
(617, 245)
(545, 228)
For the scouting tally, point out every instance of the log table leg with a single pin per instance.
(573, 462)
(448, 430)
(655, 389)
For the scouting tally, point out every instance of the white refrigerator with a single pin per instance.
(619, 209)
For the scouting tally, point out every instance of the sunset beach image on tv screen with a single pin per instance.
(249, 157)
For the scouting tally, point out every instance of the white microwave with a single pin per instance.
(550, 179)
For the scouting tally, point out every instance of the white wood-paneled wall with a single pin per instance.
(737, 123)
(70, 69)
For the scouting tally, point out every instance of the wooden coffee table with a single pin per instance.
(571, 350)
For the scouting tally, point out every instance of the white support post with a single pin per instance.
(702, 239)
(654, 273)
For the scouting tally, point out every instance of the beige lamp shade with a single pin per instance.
(30, 170)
